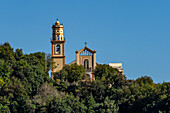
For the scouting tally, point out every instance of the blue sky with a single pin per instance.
(133, 32)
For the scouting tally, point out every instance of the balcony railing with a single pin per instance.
(88, 70)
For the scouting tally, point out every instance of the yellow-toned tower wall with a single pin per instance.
(58, 64)
(58, 41)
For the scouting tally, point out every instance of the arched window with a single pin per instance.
(58, 49)
(86, 64)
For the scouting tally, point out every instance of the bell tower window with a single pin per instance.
(57, 49)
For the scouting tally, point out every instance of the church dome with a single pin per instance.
(57, 23)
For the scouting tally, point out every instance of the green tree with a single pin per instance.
(108, 106)
(6, 53)
(46, 93)
(144, 80)
(90, 103)
(1, 83)
(4, 109)
(14, 96)
(30, 70)
(109, 75)
(67, 104)
(18, 54)
(5, 70)
(71, 73)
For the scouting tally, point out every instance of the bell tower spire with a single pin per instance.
(57, 42)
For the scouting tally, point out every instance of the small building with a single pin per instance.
(117, 66)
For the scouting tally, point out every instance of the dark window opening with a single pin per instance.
(86, 64)
(58, 49)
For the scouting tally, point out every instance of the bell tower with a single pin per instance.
(57, 42)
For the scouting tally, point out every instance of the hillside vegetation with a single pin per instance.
(25, 87)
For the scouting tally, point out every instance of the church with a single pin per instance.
(85, 56)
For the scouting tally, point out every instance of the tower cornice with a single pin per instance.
(57, 41)
(58, 56)
(57, 26)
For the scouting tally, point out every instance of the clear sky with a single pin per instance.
(133, 32)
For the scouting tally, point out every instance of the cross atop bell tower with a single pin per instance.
(58, 41)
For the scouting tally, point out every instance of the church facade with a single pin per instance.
(85, 56)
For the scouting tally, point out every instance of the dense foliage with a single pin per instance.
(25, 87)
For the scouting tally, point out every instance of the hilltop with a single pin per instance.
(25, 86)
